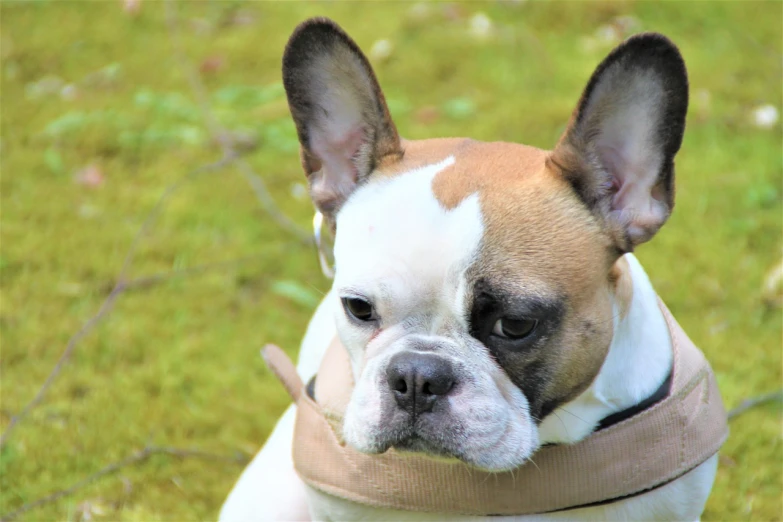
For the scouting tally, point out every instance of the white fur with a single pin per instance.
(253, 499)
(269, 488)
(418, 293)
(439, 245)
(637, 362)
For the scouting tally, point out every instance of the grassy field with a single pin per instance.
(98, 118)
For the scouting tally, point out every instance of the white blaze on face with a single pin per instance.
(398, 246)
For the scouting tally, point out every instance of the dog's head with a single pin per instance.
(477, 280)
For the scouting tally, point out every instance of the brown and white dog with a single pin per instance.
(485, 292)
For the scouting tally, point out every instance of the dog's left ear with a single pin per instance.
(341, 117)
(618, 150)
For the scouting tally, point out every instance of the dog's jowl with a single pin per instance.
(490, 345)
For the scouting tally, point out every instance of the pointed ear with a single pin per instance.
(618, 151)
(341, 117)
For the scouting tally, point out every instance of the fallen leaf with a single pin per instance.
(131, 7)
(419, 11)
(766, 116)
(427, 114)
(481, 26)
(87, 509)
(212, 64)
(46, 86)
(90, 176)
(453, 12)
(627, 25)
(608, 34)
(69, 92)
(772, 290)
(702, 103)
(727, 461)
(381, 50)
(239, 17)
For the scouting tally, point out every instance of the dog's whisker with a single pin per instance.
(573, 414)
(565, 426)
(530, 459)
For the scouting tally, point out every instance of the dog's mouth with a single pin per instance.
(417, 444)
(476, 423)
(406, 436)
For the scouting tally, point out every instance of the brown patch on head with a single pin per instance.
(544, 256)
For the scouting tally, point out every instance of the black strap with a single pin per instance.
(310, 387)
(658, 395)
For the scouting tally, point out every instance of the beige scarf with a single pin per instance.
(645, 451)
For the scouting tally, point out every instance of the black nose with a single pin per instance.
(417, 380)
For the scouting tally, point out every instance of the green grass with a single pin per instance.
(177, 363)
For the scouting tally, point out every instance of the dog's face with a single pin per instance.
(478, 280)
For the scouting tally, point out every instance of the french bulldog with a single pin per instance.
(486, 293)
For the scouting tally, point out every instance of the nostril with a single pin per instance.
(417, 381)
(437, 386)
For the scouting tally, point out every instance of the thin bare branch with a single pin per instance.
(755, 401)
(223, 137)
(135, 458)
(230, 156)
(119, 287)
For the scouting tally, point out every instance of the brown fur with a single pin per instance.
(540, 239)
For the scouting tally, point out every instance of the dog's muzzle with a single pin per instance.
(418, 381)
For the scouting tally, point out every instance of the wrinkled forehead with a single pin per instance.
(394, 233)
(454, 204)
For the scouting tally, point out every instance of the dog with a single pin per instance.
(486, 293)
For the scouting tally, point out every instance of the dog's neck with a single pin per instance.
(638, 361)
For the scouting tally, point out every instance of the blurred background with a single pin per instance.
(150, 143)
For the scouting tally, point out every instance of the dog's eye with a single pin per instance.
(514, 328)
(359, 309)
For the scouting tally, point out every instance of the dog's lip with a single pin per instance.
(417, 444)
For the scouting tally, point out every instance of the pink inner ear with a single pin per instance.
(634, 202)
(337, 150)
(613, 163)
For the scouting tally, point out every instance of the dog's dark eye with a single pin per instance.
(514, 328)
(359, 309)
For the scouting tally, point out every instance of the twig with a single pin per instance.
(223, 137)
(230, 155)
(135, 458)
(119, 287)
(755, 401)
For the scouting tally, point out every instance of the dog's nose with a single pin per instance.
(417, 380)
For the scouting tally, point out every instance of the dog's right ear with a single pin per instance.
(341, 117)
(618, 151)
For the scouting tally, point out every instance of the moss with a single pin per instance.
(177, 364)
